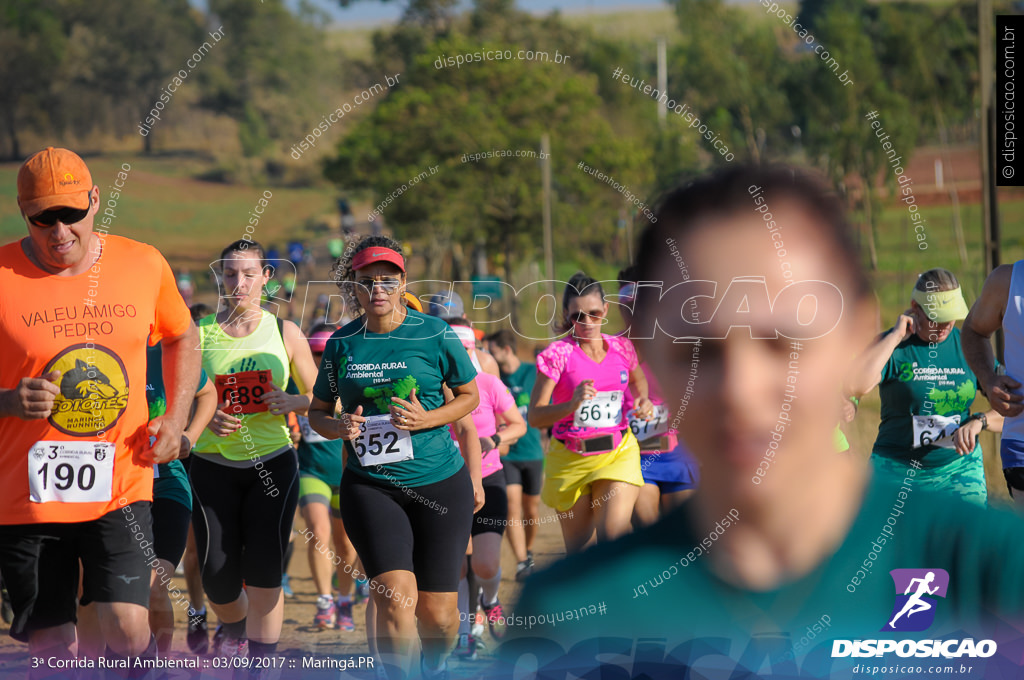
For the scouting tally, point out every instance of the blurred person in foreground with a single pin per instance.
(787, 544)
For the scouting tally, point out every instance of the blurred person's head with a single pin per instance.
(446, 304)
(463, 329)
(754, 382)
(502, 346)
(59, 203)
(936, 304)
(583, 307)
(318, 337)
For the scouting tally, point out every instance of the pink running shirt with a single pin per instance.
(568, 365)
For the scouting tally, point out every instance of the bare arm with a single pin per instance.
(514, 428)
(322, 420)
(984, 319)
(206, 406)
(303, 371)
(542, 414)
(413, 416)
(642, 406)
(181, 368)
(867, 368)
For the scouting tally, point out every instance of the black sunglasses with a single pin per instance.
(48, 218)
(579, 316)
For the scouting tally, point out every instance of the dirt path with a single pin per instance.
(300, 640)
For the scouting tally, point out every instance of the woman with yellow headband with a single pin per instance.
(927, 389)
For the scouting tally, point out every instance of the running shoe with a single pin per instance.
(285, 587)
(6, 611)
(325, 616)
(218, 638)
(495, 619)
(344, 616)
(523, 570)
(443, 674)
(466, 648)
(198, 634)
(230, 647)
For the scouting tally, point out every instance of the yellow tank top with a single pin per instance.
(242, 369)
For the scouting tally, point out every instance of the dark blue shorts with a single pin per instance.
(671, 471)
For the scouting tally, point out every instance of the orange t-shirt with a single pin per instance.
(82, 461)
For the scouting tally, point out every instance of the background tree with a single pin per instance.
(487, 105)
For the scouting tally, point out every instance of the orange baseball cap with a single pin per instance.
(413, 301)
(53, 178)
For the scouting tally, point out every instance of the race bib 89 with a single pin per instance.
(243, 390)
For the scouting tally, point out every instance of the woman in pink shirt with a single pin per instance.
(592, 469)
(489, 523)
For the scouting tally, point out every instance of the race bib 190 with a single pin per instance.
(935, 430)
(604, 410)
(71, 472)
(381, 442)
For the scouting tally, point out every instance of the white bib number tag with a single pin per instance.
(381, 442)
(655, 427)
(71, 472)
(309, 435)
(935, 431)
(604, 410)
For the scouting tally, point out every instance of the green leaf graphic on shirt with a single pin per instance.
(382, 395)
(157, 408)
(906, 372)
(952, 401)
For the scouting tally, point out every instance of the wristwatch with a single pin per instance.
(982, 417)
(497, 439)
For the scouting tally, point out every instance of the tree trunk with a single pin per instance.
(512, 307)
(12, 137)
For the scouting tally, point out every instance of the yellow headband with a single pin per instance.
(941, 306)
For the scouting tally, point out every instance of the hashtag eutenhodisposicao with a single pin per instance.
(529, 622)
(679, 109)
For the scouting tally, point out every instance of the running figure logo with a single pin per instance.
(914, 609)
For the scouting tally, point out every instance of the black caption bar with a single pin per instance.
(1009, 151)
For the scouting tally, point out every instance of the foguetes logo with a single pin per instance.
(93, 390)
(916, 593)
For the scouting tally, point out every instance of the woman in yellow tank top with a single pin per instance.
(245, 473)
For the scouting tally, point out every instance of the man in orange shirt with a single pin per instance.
(76, 465)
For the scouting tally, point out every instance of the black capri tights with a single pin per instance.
(241, 530)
